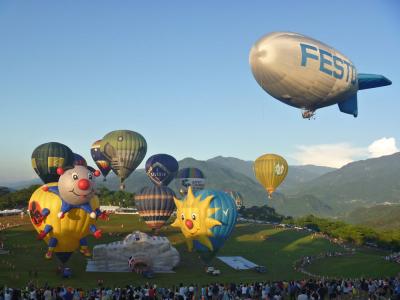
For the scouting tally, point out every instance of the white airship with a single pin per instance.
(307, 74)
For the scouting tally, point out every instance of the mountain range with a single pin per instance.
(370, 185)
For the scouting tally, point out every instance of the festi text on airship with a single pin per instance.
(307, 74)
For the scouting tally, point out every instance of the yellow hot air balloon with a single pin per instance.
(270, 170)
(68, 233)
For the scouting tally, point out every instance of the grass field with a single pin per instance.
(277, 249)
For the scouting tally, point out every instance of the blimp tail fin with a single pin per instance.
(349, 106)
(369, 81)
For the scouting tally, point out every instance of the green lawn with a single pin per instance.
(277, 249)
(367, 263)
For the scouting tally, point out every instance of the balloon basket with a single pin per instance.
(64, 272)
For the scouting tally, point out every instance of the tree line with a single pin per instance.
(20, 198)
(357, 234)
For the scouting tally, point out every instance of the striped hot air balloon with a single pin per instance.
(125, 150)
(100, 160)
(189, 177)
(47, 157)
(270, 170)
(155, 205)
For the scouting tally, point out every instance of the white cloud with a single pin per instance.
(329, 155)
(340, 154)
(383, 146)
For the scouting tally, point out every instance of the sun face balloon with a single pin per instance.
(206, 219)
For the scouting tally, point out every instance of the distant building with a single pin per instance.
(10, 212)
(127, 210)
(109, 208)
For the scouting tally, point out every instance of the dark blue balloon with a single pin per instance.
(101, 161)
(79, 160)
(161, 168)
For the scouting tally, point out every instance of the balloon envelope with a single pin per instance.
(236, 196)
(155, 205)
(206, 219)
(270, 170)
(190, 177)
(161, 168)
(100, 160)
(125, 150)
(47, 157)
(79, 160)
(68, 230)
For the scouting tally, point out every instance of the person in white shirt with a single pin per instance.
(32, 294)
(7, 294)
(302, 296)
(47, 294)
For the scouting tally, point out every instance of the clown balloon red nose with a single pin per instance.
(60, 171)
(97, 173)
(84, 184)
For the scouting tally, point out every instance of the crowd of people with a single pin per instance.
(395, 257)
(308, 289)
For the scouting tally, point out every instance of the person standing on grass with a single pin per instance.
(47, 294)
(302, 295)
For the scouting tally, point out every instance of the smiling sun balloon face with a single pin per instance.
(206, 220)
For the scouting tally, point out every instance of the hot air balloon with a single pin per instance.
(161, 168)
(100, 160)
(270, 170)
(47, 157)
(190, 177)
(206, 219)
(79, 160)
(237, 197)
(67, 234)
(155, 205)
(125, 150)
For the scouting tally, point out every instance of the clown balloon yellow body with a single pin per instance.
(61, 222)
(206, 219)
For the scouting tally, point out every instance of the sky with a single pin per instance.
(178, 73)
